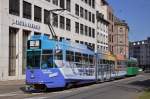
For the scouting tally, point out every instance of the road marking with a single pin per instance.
(87, 87)
(36, 98)
(66, 91)
(36, 93)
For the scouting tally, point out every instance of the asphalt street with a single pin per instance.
(127, 88)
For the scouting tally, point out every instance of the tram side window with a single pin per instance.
(58, 55)
(107, 62)
(78, 57)
(119, 62)
(129, 64)
(111, 62)
(85, 58)
(47, 59)
(101, 61)
(132, 64)
(91, 59)
(104, 62)
(69, 56)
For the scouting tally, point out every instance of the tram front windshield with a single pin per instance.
(33, 59)
(47, 59)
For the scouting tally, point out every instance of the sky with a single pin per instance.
(137, 15)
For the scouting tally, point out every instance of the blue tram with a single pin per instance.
(54, 64)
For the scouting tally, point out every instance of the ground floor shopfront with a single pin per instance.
(13, 57)
(14, 33)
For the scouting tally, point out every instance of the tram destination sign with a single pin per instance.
(34, 44)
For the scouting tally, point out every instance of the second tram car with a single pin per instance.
(132, 67)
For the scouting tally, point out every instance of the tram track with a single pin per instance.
(105, 90)
(87, 92)
(95, 90)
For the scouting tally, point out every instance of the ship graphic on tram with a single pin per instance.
(55, 64)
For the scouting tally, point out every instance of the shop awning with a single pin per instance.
(110, 56)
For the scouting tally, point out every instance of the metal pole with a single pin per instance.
(96, 67)
(54, 36)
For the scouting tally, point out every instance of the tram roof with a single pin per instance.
(64, 44)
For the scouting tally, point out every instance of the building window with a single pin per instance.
(112, 28)
(27, 10)
(55, 20)
(121, 30)
(62, 22)
(86, 30)
(37, 33)
(86, 14)
(90, 31)
(55, 2)
(93, 3)
(89, 2)
(86, 1)
(68, 5)
(81, 12)
(81, 29)
(76, 27)
(110, 16)
(12, 52)
(37, 14)
(14, 7)
(77, 41)
(112, 39)
(89, 16)
(48, 0)
(93, 33)
(68, 24)
(46, 17)
(62, 3)
(77, 10)
(68, 39)
(93, 18)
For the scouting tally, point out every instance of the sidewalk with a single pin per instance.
(12, 82)
(10, 86)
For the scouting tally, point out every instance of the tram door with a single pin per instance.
(107, 69)
(101, 70)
